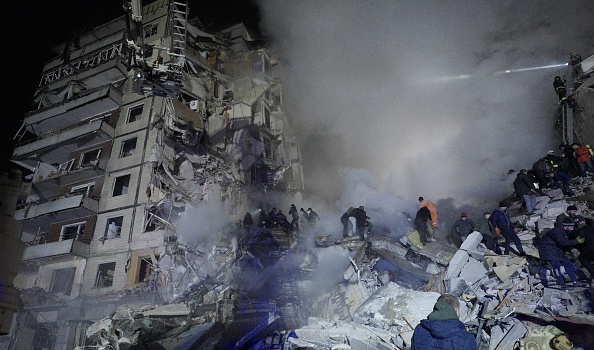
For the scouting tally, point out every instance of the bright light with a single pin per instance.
(533, 68)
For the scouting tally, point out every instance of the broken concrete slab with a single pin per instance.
(472, 241)
(456, 265)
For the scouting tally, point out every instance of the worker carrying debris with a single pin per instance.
(442, 329)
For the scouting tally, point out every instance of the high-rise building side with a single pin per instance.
(132, 128)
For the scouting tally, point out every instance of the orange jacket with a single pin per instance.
(582, 154)
(432, 211)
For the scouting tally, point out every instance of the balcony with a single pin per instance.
(72, 112)
(62, 208)
(60, 144)
(64, 249)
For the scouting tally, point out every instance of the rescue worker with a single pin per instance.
(344, 219)
(312, 216)
(485, 227)
(575, 60)
(248, 221)
(294, 218)
(361, 221)
(502, 224)
(432, 210)
(550, 250)
(585, 234)
(462, 228)
(570, 212)
(525, 189)
(421, 218)
(582, 155)
(559, 85)
(442, 330)
(561, 178)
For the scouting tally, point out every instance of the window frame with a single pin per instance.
(92, 162)
(115, 180)
(79, 231)
(99, 271)
(122, 144)
(108, 221)
(54, 280)
(136, 116)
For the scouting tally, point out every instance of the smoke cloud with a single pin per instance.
(403, 97)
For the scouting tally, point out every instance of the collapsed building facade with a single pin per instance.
(135, 122)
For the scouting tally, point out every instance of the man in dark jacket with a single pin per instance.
(462, 228)
(503, 225)
(585, 236)
(550, 250)
(423, 214)
(344, 220)
(485, 227)
(525, 188)
(361, 221)
(442, 330)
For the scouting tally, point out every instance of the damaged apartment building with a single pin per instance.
(134, 122)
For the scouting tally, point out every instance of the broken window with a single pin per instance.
(120, 185)
(105, 274)
(62, 280)
(90, 157)
(144, 269)
(113, 228)
(134, 113)
(65, 167)
(151, 30)
(72, 231)
(86, 189)
(128, 147)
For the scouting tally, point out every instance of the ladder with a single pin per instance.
(179, 19)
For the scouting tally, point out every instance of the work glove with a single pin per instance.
(580, 240)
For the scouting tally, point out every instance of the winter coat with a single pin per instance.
(541, 165)
(485, 227)
(500, 219)
(464, 227)
(587, 248)
(582, 154)
(360, 216)
(429, 205)
(550, 247)
(442, 331)
(523, 185)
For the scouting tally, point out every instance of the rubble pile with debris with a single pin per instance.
(259, 289)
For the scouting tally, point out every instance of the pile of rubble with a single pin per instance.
(263, 289)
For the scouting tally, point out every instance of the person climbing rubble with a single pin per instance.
(550, 249)
(461, 229)
(421, 218)
(525, 189)
(570, 212)
(485, 227)
(443, 329)
(585, 238)
(248, 221)
(433, 213)
(503, 225)
(312, 217)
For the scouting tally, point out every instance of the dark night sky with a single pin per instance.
(34, 27)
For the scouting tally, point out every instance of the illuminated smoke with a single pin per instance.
(359, 77)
